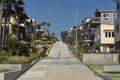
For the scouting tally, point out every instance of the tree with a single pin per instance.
(43, 24)
(10, 7)
(48, 25)
(1, 14)
(64, 36)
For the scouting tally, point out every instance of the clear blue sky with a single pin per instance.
(61, 14)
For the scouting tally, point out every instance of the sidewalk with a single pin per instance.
(63, 68)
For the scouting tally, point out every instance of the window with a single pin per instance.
(106, 16)
(109, 34)
(105, 34)
(112, 34)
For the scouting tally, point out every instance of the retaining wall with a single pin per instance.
(15, 70)
(100, 58)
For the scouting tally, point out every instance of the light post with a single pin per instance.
(76, 12)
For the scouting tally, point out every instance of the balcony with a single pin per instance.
(95, 21)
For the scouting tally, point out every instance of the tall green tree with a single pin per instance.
(1, 14)
(10, 7)
(64, 36)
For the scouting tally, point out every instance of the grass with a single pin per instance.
(112, 72)
(3, 70)
(98, 68)
(112, 75)
(95, 66)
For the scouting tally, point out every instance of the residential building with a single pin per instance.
(86, 28)
(117, 25)
(102, 26)
(87, 41)
(16, 26)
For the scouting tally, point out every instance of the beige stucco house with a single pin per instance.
(103, 25)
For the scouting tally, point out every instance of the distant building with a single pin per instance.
(117, 25)
(102, 29)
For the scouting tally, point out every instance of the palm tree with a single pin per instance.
(48, 25)
(43, 24)
(11, 7)
(1, 14)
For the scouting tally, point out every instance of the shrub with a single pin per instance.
(18, 60)
(74, 51)
(15, 47)
(34, 50)
(4, 55)
(43, 54)
(24, 49)
(34, 56)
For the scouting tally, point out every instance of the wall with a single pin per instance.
(11, 67)
(108, 40)
(16, 70)
(100, 58)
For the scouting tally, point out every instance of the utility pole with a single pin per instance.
(76, 12)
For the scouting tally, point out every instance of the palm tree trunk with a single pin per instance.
(1, 14)
(4, 32)
(5, 29)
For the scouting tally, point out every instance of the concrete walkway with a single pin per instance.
(63, 67)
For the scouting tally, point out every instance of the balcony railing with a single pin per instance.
(96, 20)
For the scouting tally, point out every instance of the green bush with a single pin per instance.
(34, 50)
(4, 55)
(18, 60)
(74, 51)
(43, 54)
(34, 56)
(15, 47)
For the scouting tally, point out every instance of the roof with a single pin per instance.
(116, 0)
(105, 10)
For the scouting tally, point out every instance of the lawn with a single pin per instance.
(98, 69)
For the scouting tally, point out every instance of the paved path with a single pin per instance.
(66, 67)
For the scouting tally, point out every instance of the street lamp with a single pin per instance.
(76, 12)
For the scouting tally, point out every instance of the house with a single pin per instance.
(117, 25)
(102, 26)
(86, 32)
(86, 27)
(16, 26)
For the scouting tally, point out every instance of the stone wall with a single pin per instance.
(11, 67)
(15, 70)
(100, 58)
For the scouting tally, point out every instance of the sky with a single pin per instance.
(61, 13)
